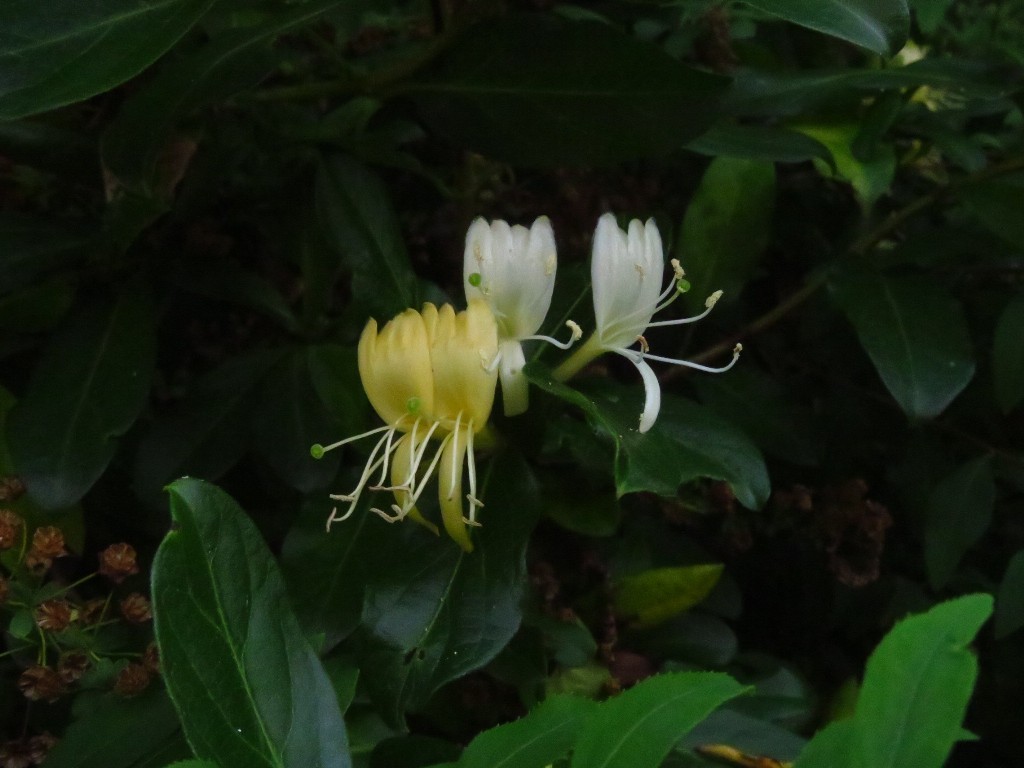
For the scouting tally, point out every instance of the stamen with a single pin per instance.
(640, 270)
(686, 363)
(576, 333)
(318, 450)
(474, 502)
(710, 304)
(456, 470)
(549, 264)
(644, 346)
(677, 270)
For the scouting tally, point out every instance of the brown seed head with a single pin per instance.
(39, 746)
(11, 488)
(151, 658)
(16, 753)
(132, 680)
(37, 564)
(92, 611)
(117, 562)
(40, 683)
(53, 615)
(10, 528)
(3, 590)
(48, 541)
(136, 609)
(72, 666)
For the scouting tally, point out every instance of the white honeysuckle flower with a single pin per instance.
(626, 274)
(513, 270)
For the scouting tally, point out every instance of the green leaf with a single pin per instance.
(637, 728)
(996, 204)
(432, 612)
(870, 176)
(247, 686)
(537, 90)
(209, 430)
(193, 764)
(1010, 600)
(830, 747)
(291, 417)
(109, 731)
(32, 249)
(227, 64)
(959, 513)
(542, 737)
(359, 221)
(334, 371)
(758, 142)
(686, 443)
(651, 597)
(413, 751)
(726, 227)
(881, 26)
(67, 51)
(930, 13)
(87, 389)
(1008, 356)
(915, 334)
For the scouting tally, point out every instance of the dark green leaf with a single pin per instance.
(334, 371)
(193, 764)
(432, 612)
(930, 13)
(778, 145)
(830, 747)
(542, 91)
(1010, 600)
(359, 221)
(37, 308)
(686, 443)
(109, 731)
(651, 597)
(34, 248)
(209, 430)
(869, 176)
(87, 389)
(412, 751)
(248, 688)
(289, 418)
(1008, 356)
(537, 740)
(915, 334)
(636, 729)
(726, 227)
(959, 513)
(880, 26)
(68, 51)
(997, 205)
(232, 62)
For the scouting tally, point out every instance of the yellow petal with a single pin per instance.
(462, 348)
(399, 472)
(450, 493)
(394, 366)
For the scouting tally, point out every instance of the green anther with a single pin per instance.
(412, 405)
(475, 279)
(682, 286)
(316, 451)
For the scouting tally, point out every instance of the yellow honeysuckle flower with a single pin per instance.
(429, 375)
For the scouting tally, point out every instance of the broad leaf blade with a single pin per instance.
(651, 597)
(248, 688)
(87, 389)
(636, 729)
(959, 513)
(58, 53)
(1008, 356)
(537, 91)
(1010, 600)
(880, 26)
(915, 334)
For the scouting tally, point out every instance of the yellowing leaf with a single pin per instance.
(651, 597)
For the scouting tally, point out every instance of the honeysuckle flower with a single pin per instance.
(513, 270)
(626, 275)
(430, 378)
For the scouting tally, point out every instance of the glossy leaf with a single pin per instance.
(779, 145)
(1008, 356)
(870, 176)
(726, 227)
(996, 204)
(637, 728)
(651, 597)
(432, 612)
(539, 739)
(248, 688)
(360, 223)
(497, 92)
(1010, 599)
(32, 249)
(208, 431)
(880, 26)
(915, 334)
(959, 513)
(289, 418)
(87, 389)
(58, 54)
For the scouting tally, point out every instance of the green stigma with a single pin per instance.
(412, 405)
(475, 279)
(316, 451)
(682, 286)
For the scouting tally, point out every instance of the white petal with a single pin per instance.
(652, 391)
(477, 254)
(515, 389)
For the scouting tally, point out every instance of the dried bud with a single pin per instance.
(3, 589)
(11, 488)
(48, 541)
(132, 680)
(53, 615)
(16, 753)
(93, 611)
(10, 528)
(72, 666)
(40, 683)
(37, 564)
(117, 562)
(135, 608)
(151, 658)
(39, 747)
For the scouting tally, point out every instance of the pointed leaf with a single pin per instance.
(248, 688)
(915, 334)
(1008, 356)
(1010, 600)
(880, 26)
(637, 728)
(649, 598)
(959, 513)
(87, 389)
